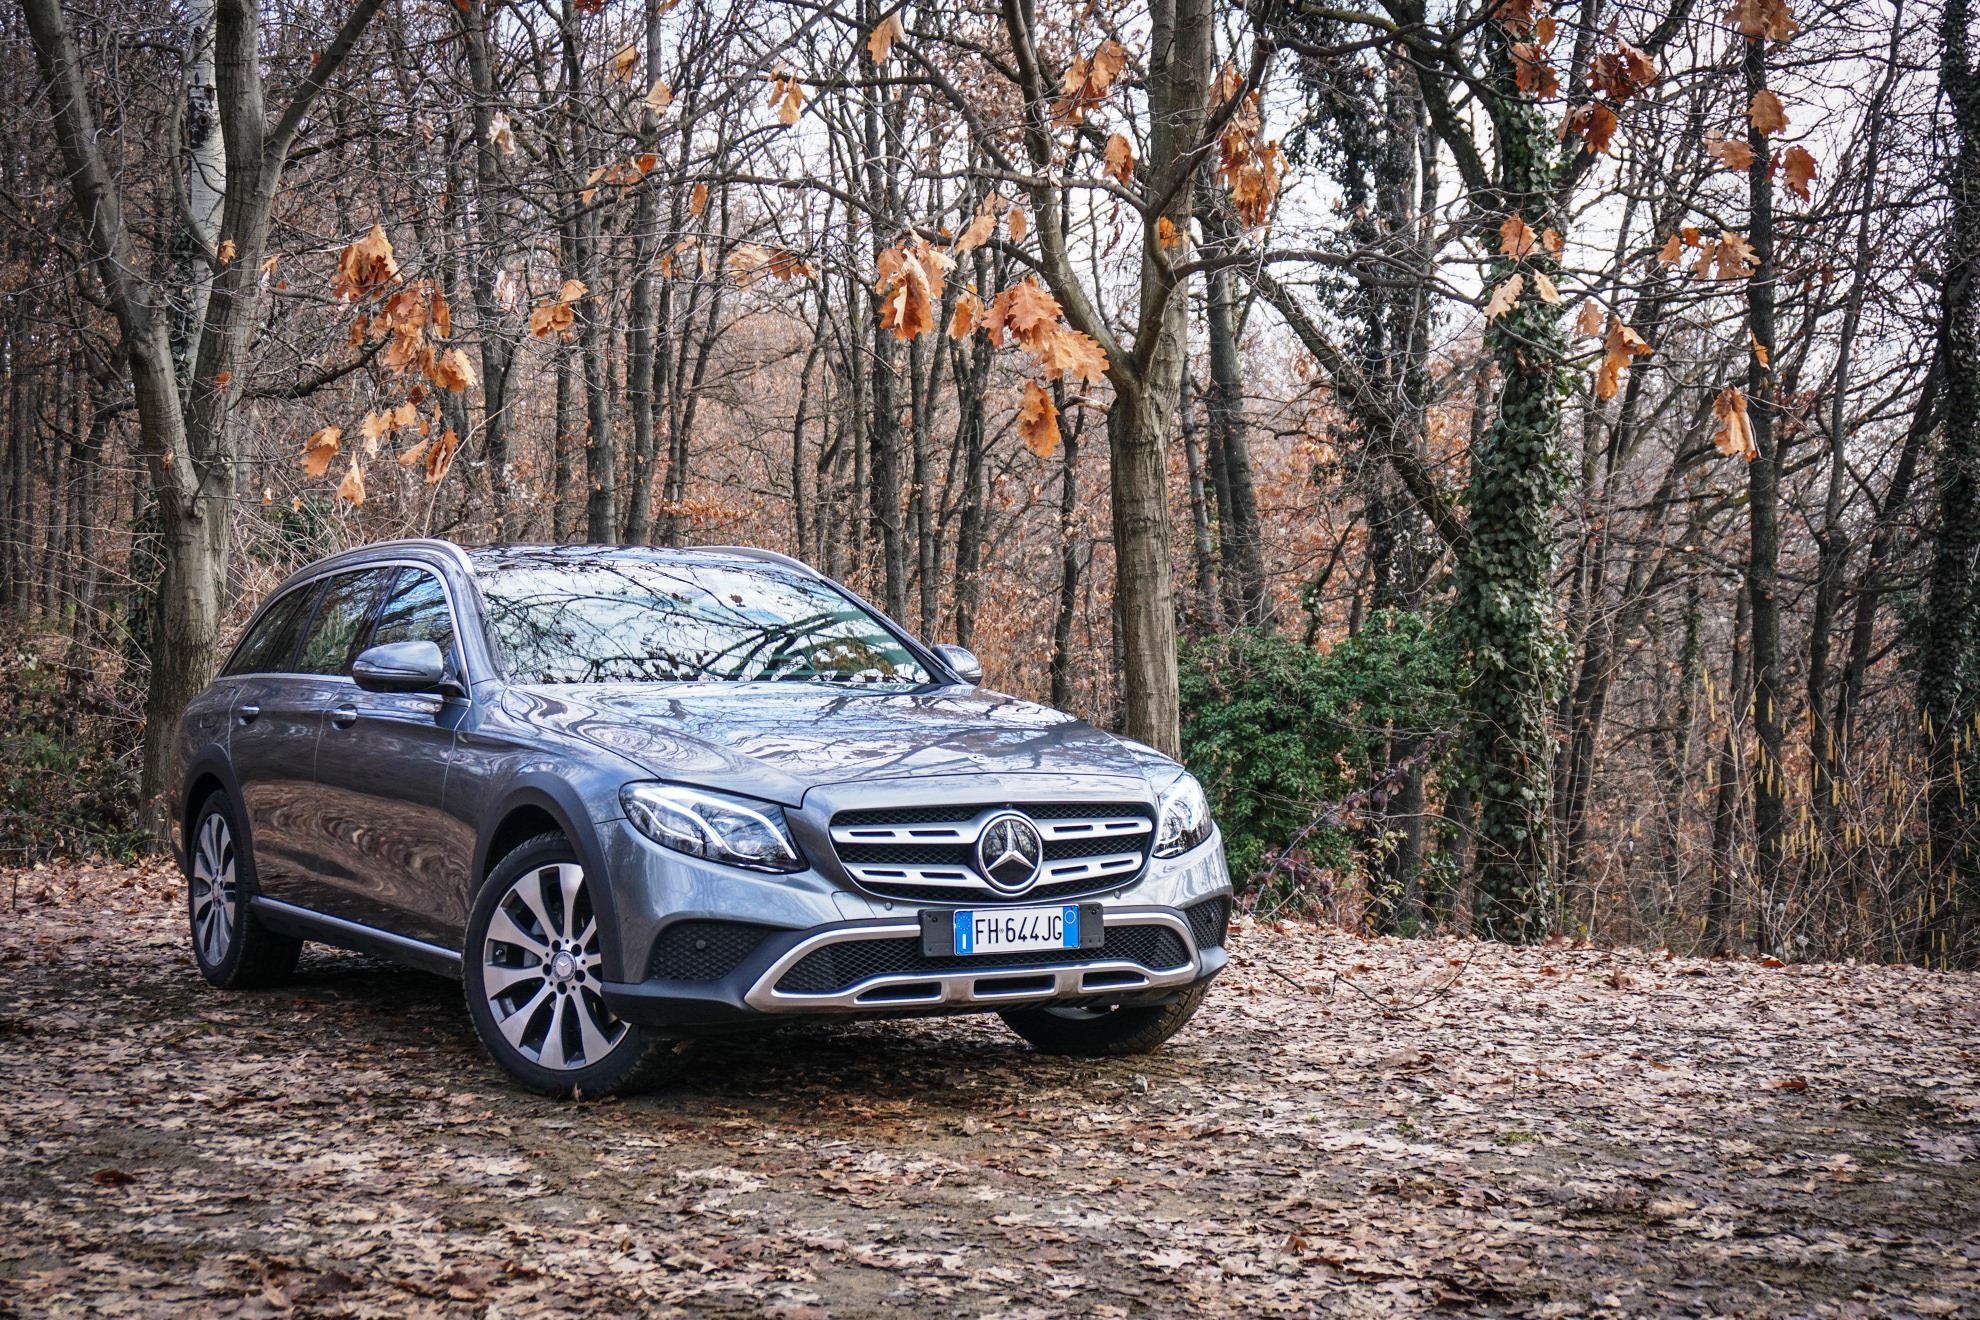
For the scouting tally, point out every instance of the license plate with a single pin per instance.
(1017, 930)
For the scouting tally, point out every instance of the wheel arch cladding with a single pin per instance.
(538, 805)
(208, 775)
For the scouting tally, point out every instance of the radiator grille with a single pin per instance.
(943, 869)
(837, 966)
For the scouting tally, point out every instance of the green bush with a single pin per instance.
(68, 756)
(1276, 730)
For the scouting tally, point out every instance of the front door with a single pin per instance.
(381, 778)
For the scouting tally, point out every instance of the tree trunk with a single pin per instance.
(1067, 612)
(1832, 535)
(1504, 605)
(1763, 511)
(563, 450)
(1137, 426)
(1948, 659)
(1243, 539)
(206, 171)
(1199, 522)
(486, 250)
(188, 450)
(970, 388)
(880, 122)
(1147, 376)
(1725, 809)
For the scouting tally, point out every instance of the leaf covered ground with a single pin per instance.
(1350, 1128)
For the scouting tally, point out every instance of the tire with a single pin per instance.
(1104, 1032)
(233, 949)
(530, 974)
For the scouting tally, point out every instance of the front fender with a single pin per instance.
(560, 800)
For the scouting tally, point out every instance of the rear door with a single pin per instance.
(271, 741)
(381, 778)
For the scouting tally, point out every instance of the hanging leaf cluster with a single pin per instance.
(1622, 346)
(1734, 436)
(911, 281)
(1614, 76)
(1086, 83)
(1518, 243)
(415, 322)
(622, 174)
(751, 263)
(880, 42)
(1248, 164)
(787, 96)
(1727, 257)
(556, 315)
(1765, 20)
(909, 284)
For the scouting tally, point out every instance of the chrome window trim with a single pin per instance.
(358, 566)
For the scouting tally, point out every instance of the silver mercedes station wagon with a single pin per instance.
(629, 797)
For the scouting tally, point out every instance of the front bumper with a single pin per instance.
(821, 949)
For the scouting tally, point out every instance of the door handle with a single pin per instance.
(344, 716)
(248, 714)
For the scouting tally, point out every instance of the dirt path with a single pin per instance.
(1565, 1132)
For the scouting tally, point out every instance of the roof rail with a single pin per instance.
(423, 543)
(752, 552)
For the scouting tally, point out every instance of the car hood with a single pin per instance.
(776, 740)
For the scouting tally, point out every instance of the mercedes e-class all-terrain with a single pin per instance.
(636, 796)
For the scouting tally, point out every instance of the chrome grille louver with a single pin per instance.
(928, 853)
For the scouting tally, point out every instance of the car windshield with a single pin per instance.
(613, 619)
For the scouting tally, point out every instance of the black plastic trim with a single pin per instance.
(288, 919)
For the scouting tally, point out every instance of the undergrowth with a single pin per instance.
(68, 754)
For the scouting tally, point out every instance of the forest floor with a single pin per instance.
(1351, 1127)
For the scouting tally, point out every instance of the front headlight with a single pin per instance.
(721, 829)
(1182, 817)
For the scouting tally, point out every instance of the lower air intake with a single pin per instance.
(704, 950)
(837, 966)
(1210, 922)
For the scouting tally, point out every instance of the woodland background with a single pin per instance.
(1524, 461)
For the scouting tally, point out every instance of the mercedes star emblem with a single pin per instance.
(1009, 852)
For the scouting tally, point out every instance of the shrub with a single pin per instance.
(68, 756)
(1277, 730)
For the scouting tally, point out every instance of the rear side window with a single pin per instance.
(271, 645)
(415, 610)
(346, 603)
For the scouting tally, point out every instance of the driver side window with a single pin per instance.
(339, 620)
(415, 610)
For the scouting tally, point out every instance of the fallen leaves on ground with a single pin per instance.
(1350, 1127)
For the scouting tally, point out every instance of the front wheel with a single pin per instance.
(1107, 1029)
(531, 973)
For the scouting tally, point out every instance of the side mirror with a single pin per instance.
(400, 667)
(968, 668)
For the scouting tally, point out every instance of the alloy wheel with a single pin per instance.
(539, 971)
(215, 889)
